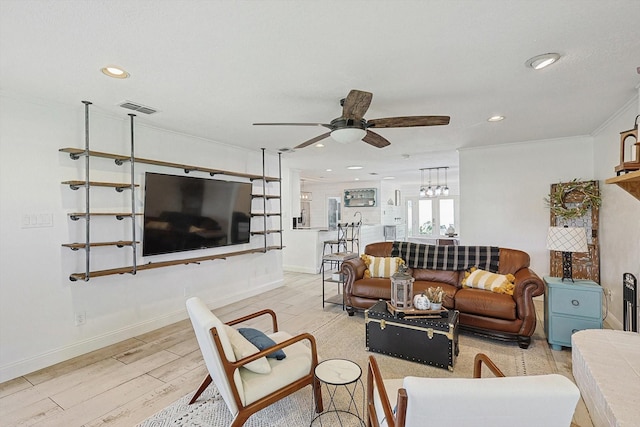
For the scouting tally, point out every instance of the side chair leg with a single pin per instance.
(201, 389)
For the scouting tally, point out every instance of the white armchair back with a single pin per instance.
(203, 320)
(541, 400)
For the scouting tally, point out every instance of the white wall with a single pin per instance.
(515, 215)
(502, 192)
(37, 301)
(619, 214)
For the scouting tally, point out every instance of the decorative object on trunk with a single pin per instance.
(421, 302)
(435, 295)
(402, 288)
(557, 199)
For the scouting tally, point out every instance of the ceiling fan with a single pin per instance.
(352, 126)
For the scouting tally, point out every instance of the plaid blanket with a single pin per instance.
(417, 255)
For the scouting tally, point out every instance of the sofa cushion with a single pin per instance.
(383, 267)
(481, 279)
(512, 260)
(491, 304)
(440, 276)
(420, 286)
(372, 288)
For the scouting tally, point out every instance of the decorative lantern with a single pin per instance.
(629, 150)
(402, 289)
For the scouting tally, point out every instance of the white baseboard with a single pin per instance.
(298, 269)
(57, 355)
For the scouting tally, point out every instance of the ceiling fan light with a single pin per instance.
(348, 135)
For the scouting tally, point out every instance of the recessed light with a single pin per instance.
(389, 177)
(495, 119)
(357, 179)
(319, 145)
(541, 61)
(328, 170)
(354, 167)
(115, 72)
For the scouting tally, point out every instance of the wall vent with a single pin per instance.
(144, 109)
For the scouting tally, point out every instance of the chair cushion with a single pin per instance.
(283, 372)
(262, 341)
(242, 347)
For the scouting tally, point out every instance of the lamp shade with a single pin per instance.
(567, 239)
(347, 135)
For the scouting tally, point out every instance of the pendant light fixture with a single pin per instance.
(431, 191)
(445, 190)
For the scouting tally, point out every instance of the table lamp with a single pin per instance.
(567, 240)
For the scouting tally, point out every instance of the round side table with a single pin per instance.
(344, 375)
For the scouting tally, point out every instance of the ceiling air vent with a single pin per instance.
(144, 109)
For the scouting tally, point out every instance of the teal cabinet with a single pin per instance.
(570, 307)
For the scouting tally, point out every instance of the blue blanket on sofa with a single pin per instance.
(417, 255)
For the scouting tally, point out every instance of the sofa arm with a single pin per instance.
(352, 269)
(527, 286)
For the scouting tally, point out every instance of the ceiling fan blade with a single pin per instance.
(313, 140)
(356, 104)
(375, 140)
(409, 121)
(294, 124)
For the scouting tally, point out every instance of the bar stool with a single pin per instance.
(353, 236)
(340, 242)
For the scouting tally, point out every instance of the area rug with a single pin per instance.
(343, 337)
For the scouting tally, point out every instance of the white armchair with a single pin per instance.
(244, 390)
(536, 400)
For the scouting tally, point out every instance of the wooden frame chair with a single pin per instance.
(535, 400)
(243, 391)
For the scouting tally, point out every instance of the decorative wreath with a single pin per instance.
(557, 198)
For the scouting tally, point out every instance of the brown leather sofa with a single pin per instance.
(506, 317)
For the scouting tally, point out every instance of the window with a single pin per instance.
(431, 217)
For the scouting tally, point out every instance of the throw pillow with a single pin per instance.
(243, 348)
(262, 341)
(481, 279)
(383, 267)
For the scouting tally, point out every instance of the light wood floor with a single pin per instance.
(123, 384)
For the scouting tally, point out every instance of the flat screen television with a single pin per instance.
(186, 213)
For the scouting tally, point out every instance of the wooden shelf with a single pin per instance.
(79, 184)
(253, 233)
(629, 182)
(268, 196)
(129, 270)
(119, 243)
(119, 215)
(77, 152)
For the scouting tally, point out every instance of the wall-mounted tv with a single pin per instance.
(186, 213)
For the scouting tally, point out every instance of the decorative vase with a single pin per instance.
(451, 231)
(436, 306)
(421, 302)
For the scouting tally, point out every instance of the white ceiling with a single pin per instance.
(213, 68)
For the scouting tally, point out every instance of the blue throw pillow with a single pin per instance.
(260, 340)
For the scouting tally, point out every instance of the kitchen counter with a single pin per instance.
(303, 247)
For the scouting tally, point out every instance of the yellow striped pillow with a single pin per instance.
(493, 282)
(383, 267)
